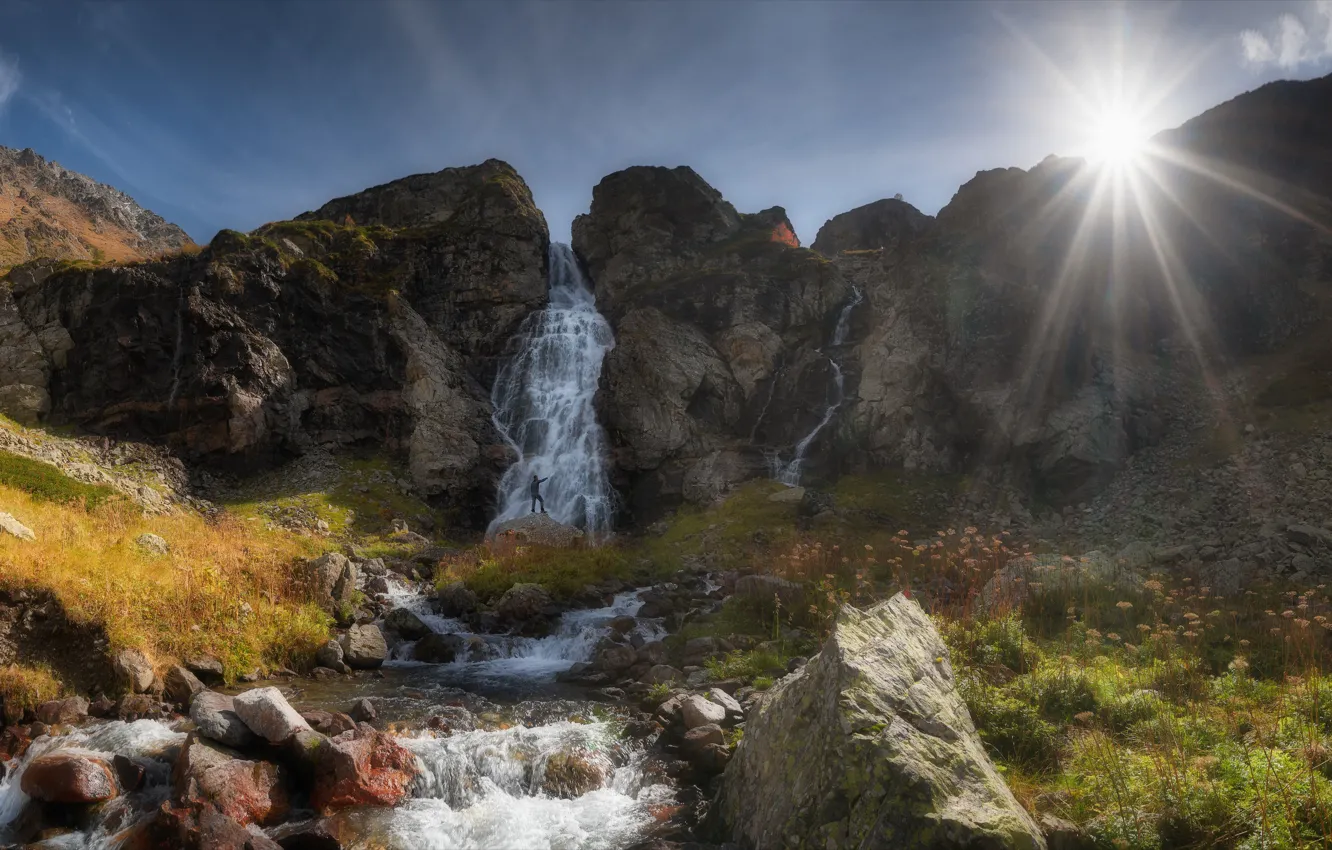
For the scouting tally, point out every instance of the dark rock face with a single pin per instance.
(35, 630)
(303, 333)
(717, 318)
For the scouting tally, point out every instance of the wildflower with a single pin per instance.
(1276, 631)
(1239, 665)
(1244, 642)
(1143, 627)
(1131, 647)
(1288, 614)
(1153, 585)
(1190, 634)
(1124, 605)
(1304, 624)
(1114, 637)
(1084, 717)
(869, 548)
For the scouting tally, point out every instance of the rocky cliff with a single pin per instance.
(49, 211)
(719, 319)
(382, 329)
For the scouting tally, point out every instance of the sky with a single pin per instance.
(232, 114)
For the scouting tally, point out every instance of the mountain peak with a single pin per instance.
(46, 210)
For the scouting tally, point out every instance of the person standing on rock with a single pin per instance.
(536, 492)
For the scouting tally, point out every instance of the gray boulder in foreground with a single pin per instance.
(870, 745)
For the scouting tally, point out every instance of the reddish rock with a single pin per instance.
(363, 767)
(211, 776)
(190, 829)
(68, 778)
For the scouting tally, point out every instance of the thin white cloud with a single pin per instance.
(1291, 41)
(9, 78)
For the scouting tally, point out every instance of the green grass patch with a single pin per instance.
(563, 572)
(46, 482)
(23, 688)
(741, 530)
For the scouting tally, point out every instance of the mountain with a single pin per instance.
(1036, 335)
(47, 211)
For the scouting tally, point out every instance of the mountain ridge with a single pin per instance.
(50, 212)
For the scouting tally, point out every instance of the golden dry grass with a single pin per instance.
(224, 588)
(23, 687)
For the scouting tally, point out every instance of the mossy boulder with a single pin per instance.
(870, 745)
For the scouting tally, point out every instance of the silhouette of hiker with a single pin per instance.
(536, 493)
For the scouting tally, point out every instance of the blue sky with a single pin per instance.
(231, 114)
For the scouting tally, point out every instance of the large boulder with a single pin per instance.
(539, 529)
(870, 745)
(243, 790)
(268, 714)
(65, 777)
(364, 647)
(182, 686)
(363, 767)
(215, 716)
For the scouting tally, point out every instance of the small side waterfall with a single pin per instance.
(789, 473)
(543, 403)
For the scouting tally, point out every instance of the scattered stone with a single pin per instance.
(613, 659)
(700, 711)
(63, 711)
(134, 670)
(455, 600)
(1061, 834)
(215, 716)
(209, 670)
(653, 653)
(329, 655)
(130, 774)
(152, 544)
(363, 711)
(12, 526)
(701, 736)
(662, 674)
(329, 723)
(363, 647)
(573, 774)
(734, 712)
(623, 624)
(522, 604)
(876, 711)
(439, 649)
(246, 791)
(406, 623)
(181, 686)
(1309, 535)
(70, 778)
(268, 714)
(140, 707)
(363, 767)
(377, 585)
(330, 580)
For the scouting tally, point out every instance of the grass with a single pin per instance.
(491, 569)
(224, 588)
(23, 688)
(47, 483)
(361, 498)
(744, 527)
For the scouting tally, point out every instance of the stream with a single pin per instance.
(481, 773)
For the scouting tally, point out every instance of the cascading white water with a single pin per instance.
(543, 403)
(789, 473)
(500, 657)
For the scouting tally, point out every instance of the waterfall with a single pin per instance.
(543, 403)
(789, 473)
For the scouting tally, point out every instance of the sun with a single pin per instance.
(1117, 137)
